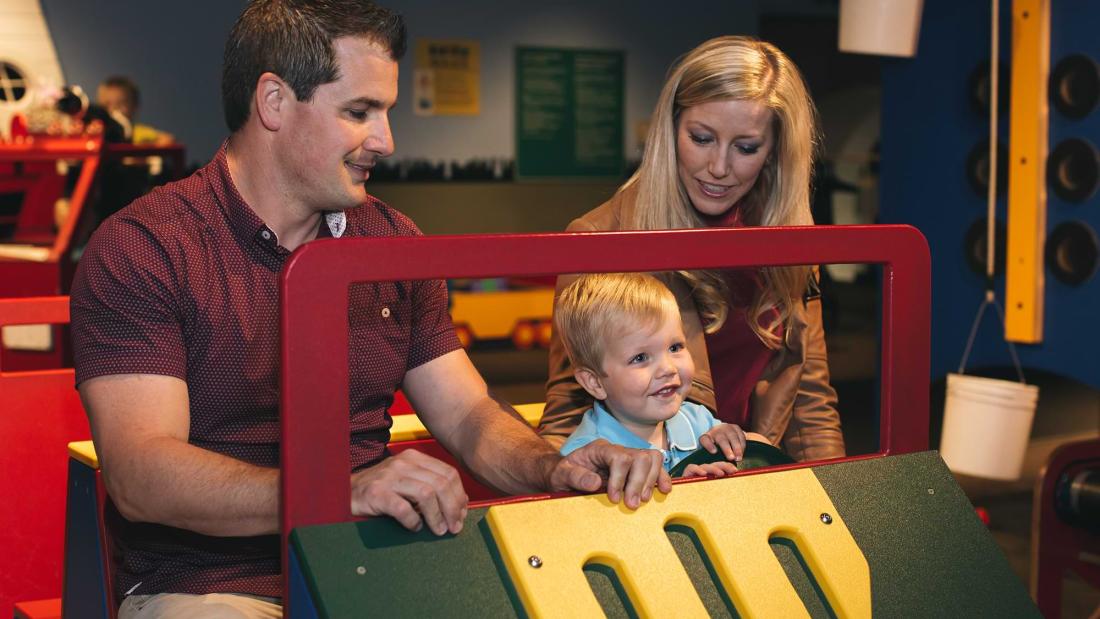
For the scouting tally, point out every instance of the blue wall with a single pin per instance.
(928, 129)
(173, 50)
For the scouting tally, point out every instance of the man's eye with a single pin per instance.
(358, 114)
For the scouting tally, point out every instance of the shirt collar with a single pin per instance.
(680, 433)
(244, 221)
(615, 432)
(337, 222)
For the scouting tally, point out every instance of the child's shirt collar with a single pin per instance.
(682, 439)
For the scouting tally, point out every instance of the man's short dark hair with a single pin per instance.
(293, 39)
(127, 86)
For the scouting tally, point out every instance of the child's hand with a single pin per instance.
(712, 469)
(728, 437)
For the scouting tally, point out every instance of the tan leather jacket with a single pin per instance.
(793, 404)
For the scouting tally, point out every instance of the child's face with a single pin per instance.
(647, 372)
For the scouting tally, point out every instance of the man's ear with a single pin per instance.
(591, 383)
(271, 99)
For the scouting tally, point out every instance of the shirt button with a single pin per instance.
(385, 312)
(265, 235)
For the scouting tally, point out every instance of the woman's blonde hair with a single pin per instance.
(597, 307)
(735, 68)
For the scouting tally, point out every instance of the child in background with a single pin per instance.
(624, 337)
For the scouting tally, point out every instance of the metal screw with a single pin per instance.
(931, 491)
(534, 561)
(360, 570)
(826, 518)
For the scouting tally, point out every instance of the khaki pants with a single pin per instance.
(211, 606)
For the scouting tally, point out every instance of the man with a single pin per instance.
(175, 308)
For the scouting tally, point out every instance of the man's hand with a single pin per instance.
(412, 488)
(628, 474)
(728, 437)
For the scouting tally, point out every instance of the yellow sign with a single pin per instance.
(447, 78)
(546, 544)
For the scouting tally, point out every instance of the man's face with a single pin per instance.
(331, 142)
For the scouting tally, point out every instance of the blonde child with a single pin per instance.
(624, 337)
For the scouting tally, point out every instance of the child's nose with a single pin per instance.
(667, 366)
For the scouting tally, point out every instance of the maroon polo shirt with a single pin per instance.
(184, 283)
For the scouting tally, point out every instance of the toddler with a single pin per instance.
(624, 337)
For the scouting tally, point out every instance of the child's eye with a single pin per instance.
(748, 149)
(638, 358)
(677, 347)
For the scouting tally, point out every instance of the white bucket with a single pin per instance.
(986, 425)
(885, 27)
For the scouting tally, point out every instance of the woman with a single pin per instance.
(731, 144)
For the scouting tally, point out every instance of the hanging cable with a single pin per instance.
(991, 201)
(991, 194)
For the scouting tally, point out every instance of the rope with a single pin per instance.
(990, 299)
(991, 194)
(991, 203)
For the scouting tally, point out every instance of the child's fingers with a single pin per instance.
(725, 444)
(739, 445)
(732, 440)
(693, 470)
(719, 469)
(708, 443)
(713, 469)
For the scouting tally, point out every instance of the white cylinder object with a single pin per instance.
(986, 426)
(884, 27)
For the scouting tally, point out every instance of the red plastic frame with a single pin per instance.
(314, 284)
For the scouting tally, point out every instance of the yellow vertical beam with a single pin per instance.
(1027, 194)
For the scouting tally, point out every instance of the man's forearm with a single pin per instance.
(498, 447)
(171, 482)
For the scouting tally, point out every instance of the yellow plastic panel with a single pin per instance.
(410, 428)
(84, 451)
(734, 519)
(1027, 194)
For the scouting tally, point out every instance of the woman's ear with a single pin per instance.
(591, 383)
(271, 99)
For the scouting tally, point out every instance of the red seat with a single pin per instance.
(40, 413)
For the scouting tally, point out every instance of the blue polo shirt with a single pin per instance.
(683, 431)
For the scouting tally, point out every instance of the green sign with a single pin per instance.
(569, 113)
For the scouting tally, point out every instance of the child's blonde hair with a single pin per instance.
(591, 311)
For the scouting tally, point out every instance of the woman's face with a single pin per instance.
(721, 146)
